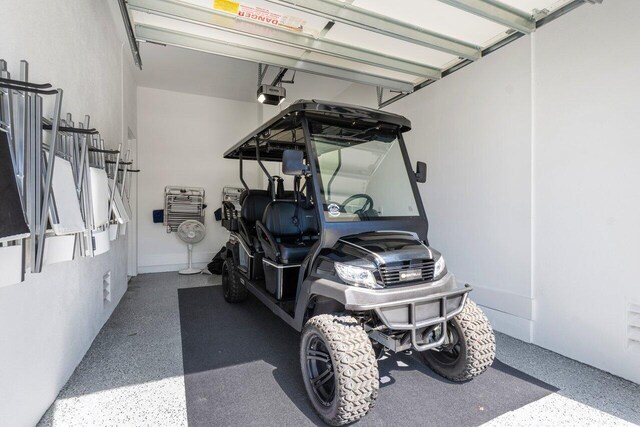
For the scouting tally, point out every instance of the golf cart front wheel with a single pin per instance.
(232, 289)
(469, 349)
(339, 368)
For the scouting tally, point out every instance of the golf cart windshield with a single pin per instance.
(363, 174)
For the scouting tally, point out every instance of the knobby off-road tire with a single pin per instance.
(474, 352)
(232, 289)
(336, 353)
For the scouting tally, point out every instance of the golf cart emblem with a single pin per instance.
(411, 274)
(334, 209)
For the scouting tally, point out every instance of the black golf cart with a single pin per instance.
(343, 256)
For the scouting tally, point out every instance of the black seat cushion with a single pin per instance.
(278, 219)
(289, 242)
(294, 253)
(254, 203)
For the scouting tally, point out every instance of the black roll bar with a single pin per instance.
(241, 177)
(266, 172)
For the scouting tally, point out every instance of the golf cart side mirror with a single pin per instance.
(421, 172)
(292, 162)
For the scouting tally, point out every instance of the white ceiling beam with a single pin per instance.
(362, 18)
(165, 36)
(223, 21)
(497, 12)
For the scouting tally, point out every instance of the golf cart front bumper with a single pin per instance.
(410, 308)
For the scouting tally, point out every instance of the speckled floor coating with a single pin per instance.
(587, 396)
(133, 374)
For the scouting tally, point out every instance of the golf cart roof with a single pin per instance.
(283, 131)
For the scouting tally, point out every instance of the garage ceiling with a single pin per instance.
(400, 46)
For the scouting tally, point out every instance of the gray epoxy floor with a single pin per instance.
(132, 374)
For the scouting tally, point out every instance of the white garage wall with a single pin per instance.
(473, 129)
(181, 140)
(532, 193)
(48, 322)
(586, 152)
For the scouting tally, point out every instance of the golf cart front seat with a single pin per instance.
(253, 203)
(284, 241)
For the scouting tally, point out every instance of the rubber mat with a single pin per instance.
(241, 368)
(12, 220)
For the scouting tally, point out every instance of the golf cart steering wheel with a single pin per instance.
(368, 203)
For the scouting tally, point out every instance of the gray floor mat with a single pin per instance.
(241, 368)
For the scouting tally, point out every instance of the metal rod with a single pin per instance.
(497, 12)
(49, 176)
(135, 51)
(222, 48)
(498, 45)
(114, 182)
(278, 78)
(212, 18)
(362, 18)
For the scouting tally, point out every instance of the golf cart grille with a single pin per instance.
(407, 271)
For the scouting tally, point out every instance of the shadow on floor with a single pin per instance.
(140, 343)
(241, 368)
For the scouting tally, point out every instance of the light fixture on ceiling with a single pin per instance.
(271, 95)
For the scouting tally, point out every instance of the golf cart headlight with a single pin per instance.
(356, 276)
(440, 267)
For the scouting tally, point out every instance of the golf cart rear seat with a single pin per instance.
(253, 203)
(284, 241)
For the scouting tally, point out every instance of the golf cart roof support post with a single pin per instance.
(264, 169)
(246, 187)
(316, 188)
(335, 172)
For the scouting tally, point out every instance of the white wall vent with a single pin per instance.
(633, 328)
(106, 288)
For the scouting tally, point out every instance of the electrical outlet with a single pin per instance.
(106, 288)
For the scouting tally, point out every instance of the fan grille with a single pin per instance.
(191, 231)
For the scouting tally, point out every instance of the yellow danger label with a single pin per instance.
(226, 6)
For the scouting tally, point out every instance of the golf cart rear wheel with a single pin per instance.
(470, 348)
(233, 290)
(339, 368)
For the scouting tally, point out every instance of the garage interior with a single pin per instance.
(525, 112)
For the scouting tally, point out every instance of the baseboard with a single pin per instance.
(509, 324)
(142, 269)
(177, 258)
(503, 301)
